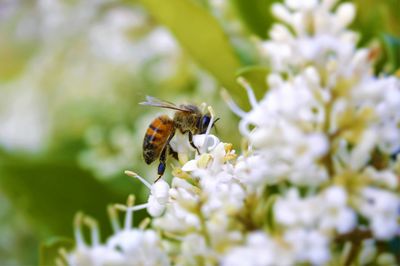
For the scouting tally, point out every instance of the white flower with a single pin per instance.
(308, 246)
(288, 153)
(361, 153)
(176, 219)
(294, 211)
(259, 250)
(180, 144)
(160, 190)
(98, 255)
(252, 171)
(310, 174)
(179, 216)
(218, 185)
(382, 208)
(223, 195)
(319, 35)
(210, 163)
(382, 95)
(327, 211)
(336, 213)
(139, 247)
(206, 142)
(286, 135)
(158, 197)
(298, 100)
(154, 207)
(222, 231)
(193, 247)
(384, 178)
(128, 246)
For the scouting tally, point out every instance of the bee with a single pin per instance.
(187, 119)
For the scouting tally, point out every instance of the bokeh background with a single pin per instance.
(72, 73)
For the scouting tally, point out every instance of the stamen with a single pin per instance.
(120, 207)
(80, 242)
(113, 214)
(63, 259)
(130, 201)
(138, 207)
(173, 236)
(249, 90)
(144, 223)
(134, 175)
(211, 111)
(94, 228)
(129, 208)
(212, 114)
(129, 212)
(232, 105)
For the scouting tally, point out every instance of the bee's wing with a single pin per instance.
(152, 101)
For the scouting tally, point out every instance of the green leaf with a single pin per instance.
(255, 15)
(48, 192)
(200, 34)
(371, 22)
(392, 50)
(49, 250)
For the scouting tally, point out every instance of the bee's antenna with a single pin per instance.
(215, 126)
(215, 121)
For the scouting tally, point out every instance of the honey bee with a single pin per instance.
(187, 119)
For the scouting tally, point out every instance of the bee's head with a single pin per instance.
(203, 123)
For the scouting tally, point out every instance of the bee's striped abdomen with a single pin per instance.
(156, 137)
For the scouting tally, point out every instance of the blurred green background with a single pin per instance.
(72, 73)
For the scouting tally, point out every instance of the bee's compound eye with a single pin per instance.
(204, 123)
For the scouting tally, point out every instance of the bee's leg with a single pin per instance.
(170, 150)
(163, 157)
(173, 153)
(161, 165)
(191, 142)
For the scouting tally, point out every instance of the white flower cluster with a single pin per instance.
(318, 182)
(128, 246)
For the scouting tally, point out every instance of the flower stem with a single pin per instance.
(356, 237)
(355, 248)
(204, 230)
